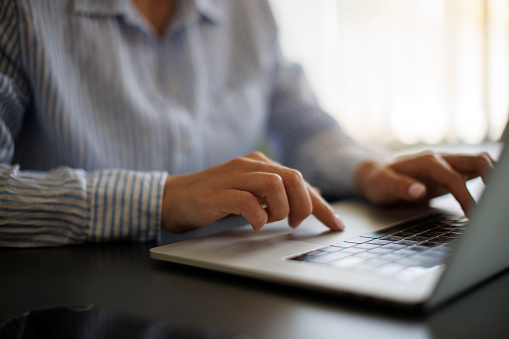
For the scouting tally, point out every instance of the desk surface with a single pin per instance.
(121, 277)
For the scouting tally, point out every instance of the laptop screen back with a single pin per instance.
(483, 250)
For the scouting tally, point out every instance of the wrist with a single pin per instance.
(178, 204)
(363, 175)
(168, 205)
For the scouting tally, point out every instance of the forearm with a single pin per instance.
(309, 139)
(331, 161)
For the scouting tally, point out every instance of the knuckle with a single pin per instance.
(485, 158)
(293, 177)
(430, 156)
(258, 155)
(237, 162)
(273, 182)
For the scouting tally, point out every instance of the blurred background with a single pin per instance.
(404, 72)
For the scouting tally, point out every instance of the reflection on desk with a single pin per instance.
(120, 277)
(87, 321)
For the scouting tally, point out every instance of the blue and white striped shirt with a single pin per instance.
(96, 109)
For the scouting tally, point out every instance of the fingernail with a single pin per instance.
(416, 190)
(337, 221)
(294, 224)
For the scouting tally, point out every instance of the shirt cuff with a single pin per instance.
(125, 205)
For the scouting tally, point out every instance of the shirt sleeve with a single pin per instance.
(71, 206)
(307, 138)
(64, 205)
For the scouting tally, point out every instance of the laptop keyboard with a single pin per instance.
(420, 243)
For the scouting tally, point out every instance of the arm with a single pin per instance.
(309, 139)
(331, 160)
(69, 206)
(64, 205)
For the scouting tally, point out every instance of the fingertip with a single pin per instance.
(468, 208)
(295, 221)
(338, 223)
(259, 223)
(416, 191)
(294, 224)
(257, 227)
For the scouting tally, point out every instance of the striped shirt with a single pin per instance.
(96, 109)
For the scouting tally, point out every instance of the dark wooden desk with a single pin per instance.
(122, 277)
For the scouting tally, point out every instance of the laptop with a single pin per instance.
(412, 257)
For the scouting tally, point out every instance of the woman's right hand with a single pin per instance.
(259, 189)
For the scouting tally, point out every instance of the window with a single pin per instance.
(404, 72)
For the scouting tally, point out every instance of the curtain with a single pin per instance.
(404, 72)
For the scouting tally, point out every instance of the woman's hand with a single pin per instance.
(259, 189)
(422, 176)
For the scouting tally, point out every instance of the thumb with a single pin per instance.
(416, 191)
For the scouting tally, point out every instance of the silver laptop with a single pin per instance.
(415, 257)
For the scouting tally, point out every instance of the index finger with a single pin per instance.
(440, 171)
(324, 212)
(471, 165)
(296, 186)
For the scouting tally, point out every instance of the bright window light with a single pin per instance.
(404, 72)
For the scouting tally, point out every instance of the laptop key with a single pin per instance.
(358, 240)
(367, 254)
(378, 242)
(430, 244)
(406, 252)
(343, 244)
(417, 238)
(380, 250)
(392, 238)
(393, 247)
(406, 242)
(353, 250)
(366, 246)
(418, 248)
(385, 232)
(404, 234)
